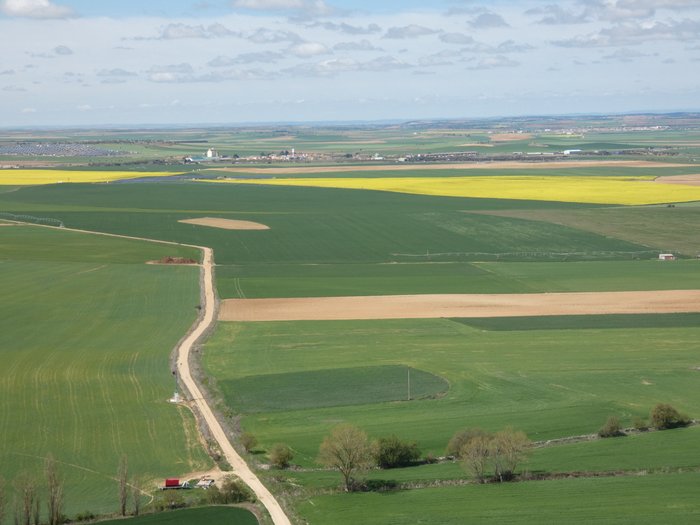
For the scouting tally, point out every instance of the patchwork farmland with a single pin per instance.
(89, 328)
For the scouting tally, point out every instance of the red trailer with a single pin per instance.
(172, 483)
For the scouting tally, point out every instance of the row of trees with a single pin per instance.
(27, 502)
(484, 455)
(349, 450)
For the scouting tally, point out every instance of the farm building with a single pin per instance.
(667, 257)
(174, 483)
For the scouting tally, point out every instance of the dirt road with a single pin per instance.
(459, 305)
(240, 468)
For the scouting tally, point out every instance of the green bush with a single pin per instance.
(280, 455)
(86, 515)
(249, 441)
(663, 416)
(391, 452)
(232, 490)
(611, 428)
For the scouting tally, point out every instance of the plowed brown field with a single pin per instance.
(476, 305)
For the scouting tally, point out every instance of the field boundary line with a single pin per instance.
(202, 326)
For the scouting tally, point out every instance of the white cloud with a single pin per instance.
(63, 50)
(35, 9)
(634, 33)
(495, 62)
(342, 65)
(618, 10)
(624, 55)
(179, 31)
(347, 28)
(443, 58)
(457, 38)
(488, 20)
(556, 15)
(184, 73)
(269, 36)
(116, 72)
(309, 49)
(171, 73)
(509, 46)
(267, 57)
(362, 45)
(410, 31)
(307, 7)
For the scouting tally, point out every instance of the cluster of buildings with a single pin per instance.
(57, 149)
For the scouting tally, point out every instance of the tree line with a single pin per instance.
(27, 502)
(486, 456)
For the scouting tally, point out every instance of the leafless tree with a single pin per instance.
(508, 448)
(27, 494)
(136, 495)
(36, 511)
(348, 450)
(54, 485)
(475, 456)
(123, 480)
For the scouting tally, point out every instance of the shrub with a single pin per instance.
(391, 452)
(640, 424)
(664, 416)
(232, 491)
(611, 428)
(461, 438)
(379, 485)
(280, 455)
(249, 441)
(86, 515)
(430, 458)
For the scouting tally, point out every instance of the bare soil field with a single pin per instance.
(686, 180)
(509, 137)
(226, 224)
(459, 166)
(459, 305)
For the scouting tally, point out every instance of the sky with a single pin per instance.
(140, 62)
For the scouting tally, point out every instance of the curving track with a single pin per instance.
(240, 467)
(205, 322)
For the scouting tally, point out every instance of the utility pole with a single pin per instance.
(408, 371)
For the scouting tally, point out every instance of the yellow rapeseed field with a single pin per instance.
(20, 177)
(593, 190)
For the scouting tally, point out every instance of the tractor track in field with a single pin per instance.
(205, 322)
